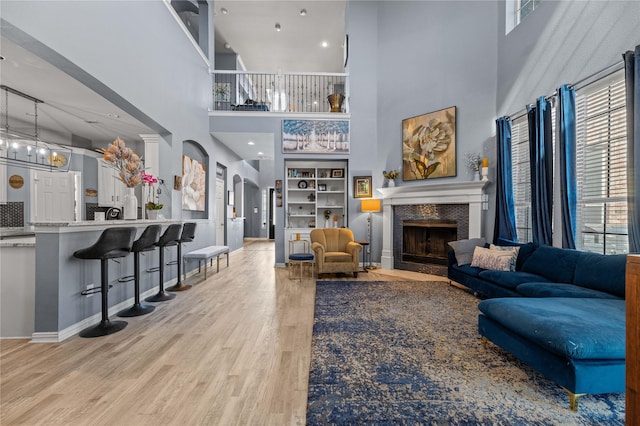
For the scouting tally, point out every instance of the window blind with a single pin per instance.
(521, 177)
(601, 161)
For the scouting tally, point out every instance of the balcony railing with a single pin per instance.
(277, 92)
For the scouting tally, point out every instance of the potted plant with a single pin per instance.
(153, 209)
(327, 215)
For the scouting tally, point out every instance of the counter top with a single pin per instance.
(19, 242)
(95, 225)
(16, 232)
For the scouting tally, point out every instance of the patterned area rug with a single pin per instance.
(410, 353)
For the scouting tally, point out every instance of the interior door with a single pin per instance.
(272, 223)
(53, 196)
(219, 217)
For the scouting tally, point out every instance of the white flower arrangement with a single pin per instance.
(474, 162)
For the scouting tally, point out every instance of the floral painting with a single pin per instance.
(194, 184)
(429, 145)
(315, 136)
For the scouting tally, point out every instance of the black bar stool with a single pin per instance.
(146, 242)
(169, 238)
(188, 234)
(113, 243)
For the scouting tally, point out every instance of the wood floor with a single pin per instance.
(235, 349)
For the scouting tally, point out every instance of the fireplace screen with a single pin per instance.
(425, 241)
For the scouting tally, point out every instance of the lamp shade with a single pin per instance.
(371, 205)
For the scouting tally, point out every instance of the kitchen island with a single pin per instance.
(60, 309)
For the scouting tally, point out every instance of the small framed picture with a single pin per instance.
(362, 187)
(322, 187)
(337, 173)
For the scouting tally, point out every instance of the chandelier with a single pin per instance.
(27, 150)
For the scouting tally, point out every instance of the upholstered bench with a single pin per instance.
(579, 343)
(206, 253)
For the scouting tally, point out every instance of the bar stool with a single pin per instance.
(146, 242)
(188, 234)
(113, 243)
(168, 239)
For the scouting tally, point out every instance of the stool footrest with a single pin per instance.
(154, 269)
(93, 291)
(126, 279)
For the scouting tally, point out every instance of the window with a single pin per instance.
(601, 166)
(517, 11)
(521, 175)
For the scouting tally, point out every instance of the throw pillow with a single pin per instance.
(497, 260)
(512, 249)
(464, 249)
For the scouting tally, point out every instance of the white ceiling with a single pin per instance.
(249, 28)
(69, 108)
(72, 109)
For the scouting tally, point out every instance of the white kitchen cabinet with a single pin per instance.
(111, 190)
(311, 189)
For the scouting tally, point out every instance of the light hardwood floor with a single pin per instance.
(235, 349)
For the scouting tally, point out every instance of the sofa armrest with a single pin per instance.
(319, 250)
(354, 250)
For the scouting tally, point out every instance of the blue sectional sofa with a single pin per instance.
(561, 311)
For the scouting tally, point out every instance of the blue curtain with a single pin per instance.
(541, 161)
(567, 145)
(505, 224)
(632, 79)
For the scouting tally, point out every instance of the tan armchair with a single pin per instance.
(335, 251)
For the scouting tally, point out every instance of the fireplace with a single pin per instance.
(451, 211)
(425, 241)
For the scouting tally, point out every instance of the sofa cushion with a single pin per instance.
(464, 249)
(499, 260)
(553, 263)
(542, 289)
(467, 269)
(510, 279)
(337, 256)
(573, 328)
(601, 272)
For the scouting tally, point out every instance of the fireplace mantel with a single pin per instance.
(470, 193)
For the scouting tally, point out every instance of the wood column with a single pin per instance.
(632, 295)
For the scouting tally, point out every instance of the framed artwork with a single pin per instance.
(429, 145)
(337, 173)
(315, 137)
(362, 187)
(322, 187)
(194, 184)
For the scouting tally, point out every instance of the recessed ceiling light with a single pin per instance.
(315, 102)
(224, 11)
(227, 46)
(303, 12)
(112, 115)
(260, 153)
(251, 143)
(325, 44)
(278, 27)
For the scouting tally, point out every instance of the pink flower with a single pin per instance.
(149, 179)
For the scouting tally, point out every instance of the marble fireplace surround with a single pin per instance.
(470, 193)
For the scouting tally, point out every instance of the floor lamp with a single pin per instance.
(370, 205)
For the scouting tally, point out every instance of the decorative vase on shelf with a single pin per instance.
(152, 214)
(130, 204)
(326, 223)
(392, 183)
(476, 176)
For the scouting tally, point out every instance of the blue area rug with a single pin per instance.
(410, 353)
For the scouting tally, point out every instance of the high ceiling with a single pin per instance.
(249, 29)
(68, 108)
(72, 111)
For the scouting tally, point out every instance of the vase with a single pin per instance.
(476, 176)
(326, 223)
(152, 214)
(335, 101)
(392, 183)
(130, 204)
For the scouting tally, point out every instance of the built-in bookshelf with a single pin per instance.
(313, 190)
